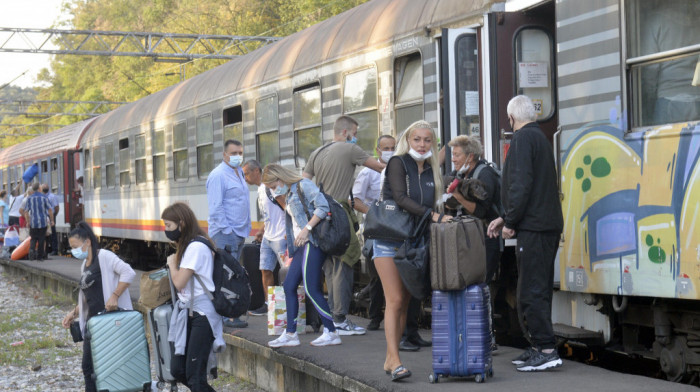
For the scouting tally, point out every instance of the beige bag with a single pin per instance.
(154, 288)
(23, 234)
(457, 254)
(48, 230)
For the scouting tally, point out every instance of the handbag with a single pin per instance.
(75, 332)
(386, 220)
(154, 289)
(412, 260)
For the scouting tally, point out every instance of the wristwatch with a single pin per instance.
(308, 227)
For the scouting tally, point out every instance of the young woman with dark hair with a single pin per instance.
(199, 333)
(104, 284)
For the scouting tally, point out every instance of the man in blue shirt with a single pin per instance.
(229, 206)
(40, 215)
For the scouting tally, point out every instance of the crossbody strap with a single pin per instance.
(272, 198)
(300, 193)
(408, 188)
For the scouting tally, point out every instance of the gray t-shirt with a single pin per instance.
(334, 167)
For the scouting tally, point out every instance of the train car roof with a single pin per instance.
(361, 28)
(52, 143)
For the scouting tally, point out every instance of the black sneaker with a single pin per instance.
(540, 361)
(261, 311)
(522, 358)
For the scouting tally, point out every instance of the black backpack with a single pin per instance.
(497, 206)
(231, 296)
(332, 233)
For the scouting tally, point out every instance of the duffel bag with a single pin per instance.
(457, 254)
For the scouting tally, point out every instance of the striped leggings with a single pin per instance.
(306, 266)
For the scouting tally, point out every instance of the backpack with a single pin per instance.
(332, 233)
(498, 205)
(231, 296)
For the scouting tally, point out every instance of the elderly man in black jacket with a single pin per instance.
(533, 211)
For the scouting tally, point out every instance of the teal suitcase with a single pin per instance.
(120, 353)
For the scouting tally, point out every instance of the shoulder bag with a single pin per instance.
(386, 220)
(412, 260)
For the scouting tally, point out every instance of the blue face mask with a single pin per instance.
(353, 140)
(79, 253)
(281, 190)
(235, 160)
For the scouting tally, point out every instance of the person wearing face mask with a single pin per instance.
(198, 334)
(413, 180)
(229, 207)
(466, 159)
(104, 284)
(307, 257)
(333, 165)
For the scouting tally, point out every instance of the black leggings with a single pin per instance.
(191, 369)
(90, 385)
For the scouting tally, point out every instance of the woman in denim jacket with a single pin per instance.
(308, 259)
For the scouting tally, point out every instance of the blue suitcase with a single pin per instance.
(120, 356)
(461, 335)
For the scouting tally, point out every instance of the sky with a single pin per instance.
(25, 14)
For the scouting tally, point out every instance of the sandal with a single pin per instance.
(399, 373)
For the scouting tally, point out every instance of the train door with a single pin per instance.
(73, 188)
(522, 62)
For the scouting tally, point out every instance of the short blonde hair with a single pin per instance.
(468, 144)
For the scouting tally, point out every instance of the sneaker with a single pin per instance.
(261, 311)
(540, 361)
(235, 323)
(522, 358)
(347, 327)
(373, 325)
(327, 338)
(285, 340)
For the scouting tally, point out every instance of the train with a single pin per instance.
(615, 85)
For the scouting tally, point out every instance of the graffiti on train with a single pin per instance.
(631, 203)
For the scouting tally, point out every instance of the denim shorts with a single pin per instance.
(269, 253)
(385, 248)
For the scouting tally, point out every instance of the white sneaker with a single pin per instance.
(285, 340)
(347, 327)
(327, 338)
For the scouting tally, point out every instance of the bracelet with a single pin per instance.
(115, 293)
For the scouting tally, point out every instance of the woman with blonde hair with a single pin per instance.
(308, 259)
(195, 336)
(413, 180)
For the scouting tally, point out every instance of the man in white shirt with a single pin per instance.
(273, 244)
(365, 192)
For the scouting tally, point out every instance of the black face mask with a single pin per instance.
(173, 235)
(46, 191)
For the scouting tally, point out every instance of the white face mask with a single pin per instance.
(235, 160)
(386, 155)
(464, 168)
(418, 157)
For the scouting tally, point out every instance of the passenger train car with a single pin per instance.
(615, 83)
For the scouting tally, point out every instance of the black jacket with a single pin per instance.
(530, 195)
(419, 197)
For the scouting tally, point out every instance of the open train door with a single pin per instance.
(74, 189)
(522, 61)
(459, 82)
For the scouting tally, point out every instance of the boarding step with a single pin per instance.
(581, 335)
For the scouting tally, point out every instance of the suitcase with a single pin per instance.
(159, 320)
(120, 356)
(461, 334)
(457, 254)
(250, 259)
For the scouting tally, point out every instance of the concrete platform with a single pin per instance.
(356, 365)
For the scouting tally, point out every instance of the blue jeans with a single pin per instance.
(221, 240)
(270, 253)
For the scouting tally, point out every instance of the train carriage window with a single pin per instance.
(87, 170)
(180, 164)
(360, 103)
(45, 175)
(96, 168)
(233, 123)
(140, 158)
(54, 176)
(110, 173)
(205, 146)
(266, 123)
(408, 75)
(124, 163)
(533, 73)
(158, 151)
(307, 123)
(663, 61)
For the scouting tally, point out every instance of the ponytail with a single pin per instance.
(84, 232)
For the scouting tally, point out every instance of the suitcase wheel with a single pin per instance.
(479, 378)
(433, 378)
(490, 373)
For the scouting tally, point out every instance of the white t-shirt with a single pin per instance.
(295, 226)
(273, 216)
(198, 258)
(15, 203)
